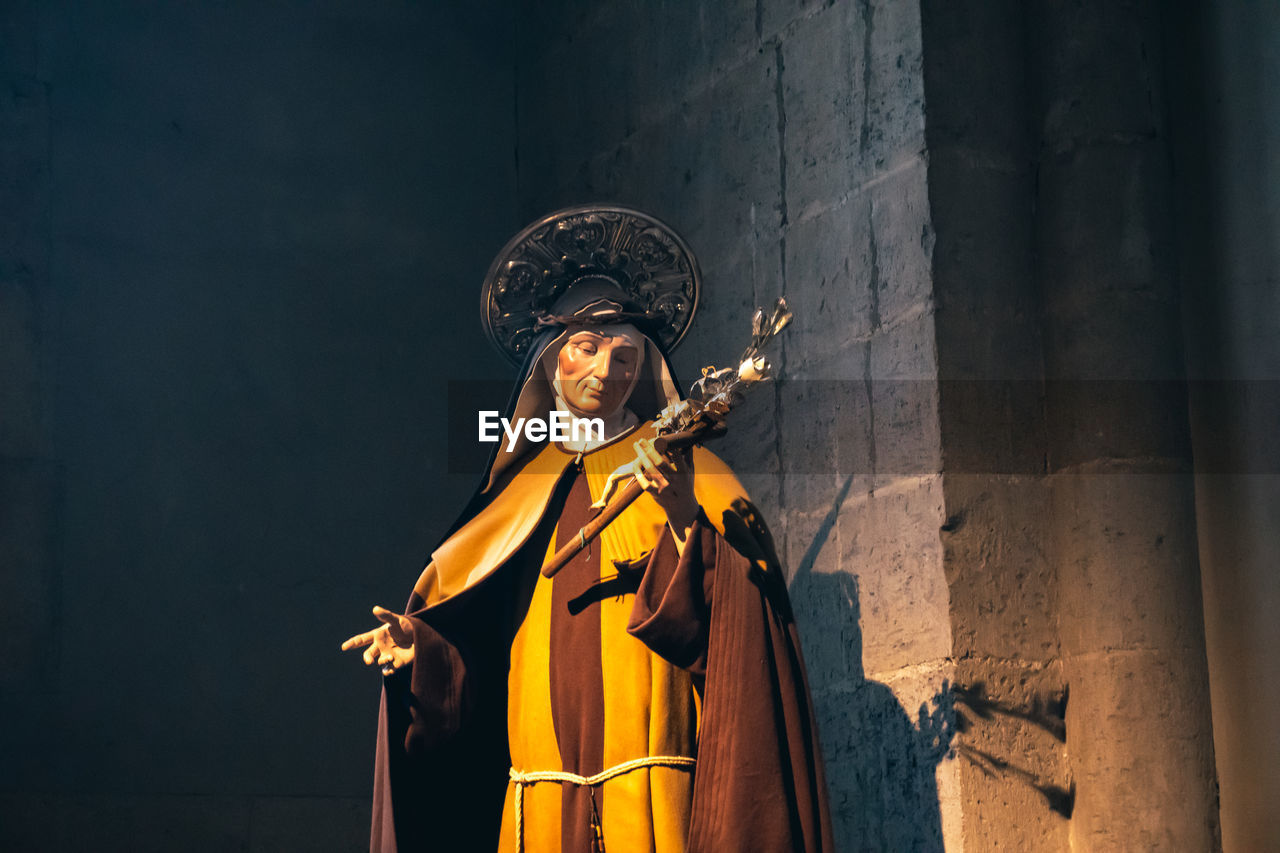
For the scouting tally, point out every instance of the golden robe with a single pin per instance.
(618, 650)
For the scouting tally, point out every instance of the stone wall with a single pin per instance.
(1072, 555)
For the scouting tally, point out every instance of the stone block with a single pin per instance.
(988, 309)
(826, 431)
(601, 72)
(732, 290)
(823, 98)
(904, 400)
(830, 274)
(1142, 424)
(1003, 587)
(1091, 340)
(886, 747)
(825, 600)
(812, 540)
(855, 448)
(1141, 750)
(752, 443)
(779, 18)
(975, 77)
(1100, 70)
(890, 540)
(892, 129)
(902, 242)
(993, 426)
(905, 351)
(987, 316)
(1127, 557)
(677, 49)
(853, 98)
(709, 172)
(1012, 754)
(808, 428)
(719, 167)
(1104, 228)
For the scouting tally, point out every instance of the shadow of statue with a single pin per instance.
(880, 762)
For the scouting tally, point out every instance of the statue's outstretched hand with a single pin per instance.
(390, 645)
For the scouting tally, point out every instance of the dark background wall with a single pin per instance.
(242, 240)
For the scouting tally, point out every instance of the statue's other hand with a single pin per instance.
(390, 645)
(669, 481)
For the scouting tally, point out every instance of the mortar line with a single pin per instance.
(812, 211)
(780, 99)
(864, 132)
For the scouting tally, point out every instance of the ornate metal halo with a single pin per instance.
(650, 263)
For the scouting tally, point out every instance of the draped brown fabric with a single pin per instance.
(759, 783)
(577, 681)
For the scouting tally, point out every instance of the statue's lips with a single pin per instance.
(593, 392)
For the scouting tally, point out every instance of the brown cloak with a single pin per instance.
(720, 611)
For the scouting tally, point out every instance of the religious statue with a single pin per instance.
(579, 669)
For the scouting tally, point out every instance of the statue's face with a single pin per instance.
(597, 368)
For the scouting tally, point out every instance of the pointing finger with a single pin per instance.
(358, 640)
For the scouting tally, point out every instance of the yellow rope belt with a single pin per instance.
(536, 776)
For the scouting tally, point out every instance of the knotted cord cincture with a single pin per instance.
(536, 776)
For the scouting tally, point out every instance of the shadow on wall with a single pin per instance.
(880, 762)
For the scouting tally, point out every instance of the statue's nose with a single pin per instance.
(604, 365)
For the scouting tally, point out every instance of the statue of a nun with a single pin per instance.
(649, 695)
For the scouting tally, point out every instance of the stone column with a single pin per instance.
(1009, 688)
(1122, 497)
